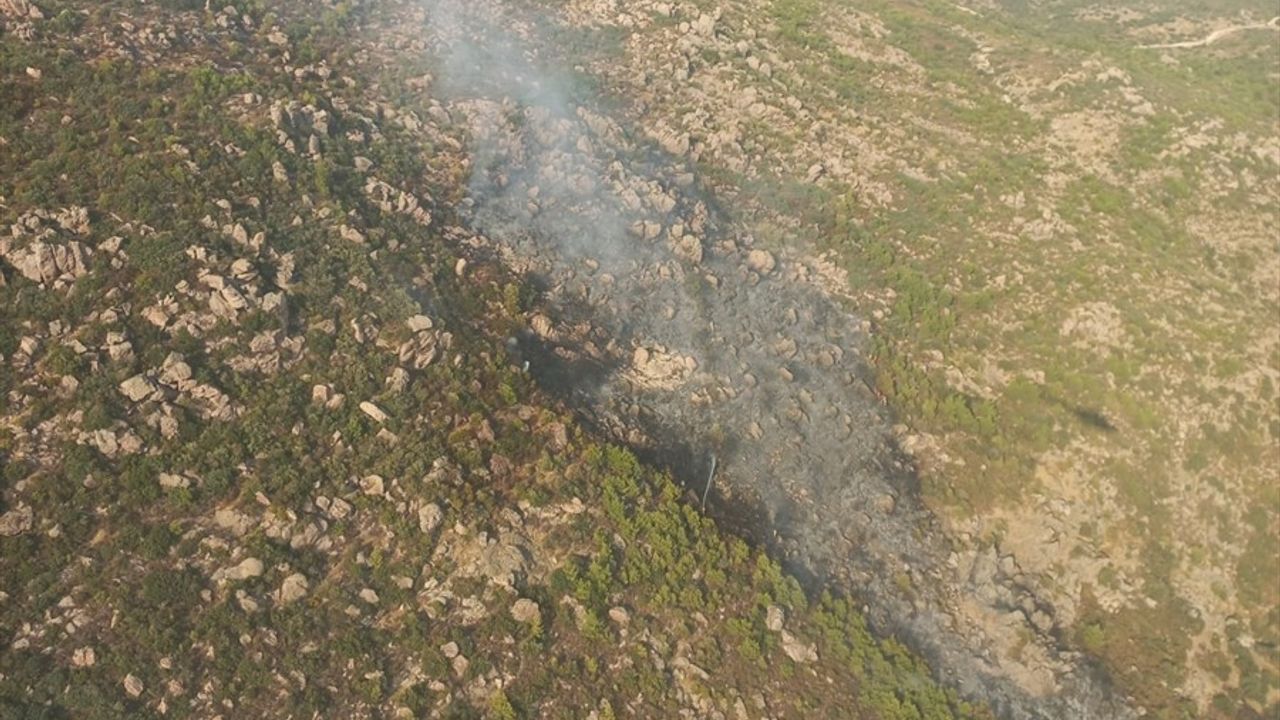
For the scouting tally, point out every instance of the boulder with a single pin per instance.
(398, 380)
(132, 685)
(525, 610)
(248, 568)
(705, 25)
(984, 569)
(502, 563)
(320, 394)
(340, 509)
(374, 412)
(774, 618)
(172, 481)
(20, 9)
(43, 262)
(798, 650)
(246, 602)
(885, 503)
(761, 261)
(137, 388)
(620, 616)
(419, 323)
(293, 588)
(16, 521)
(175, 369)
(372, 485)
(83, 657)
(233, 520)
(429, 517)
(688, 248)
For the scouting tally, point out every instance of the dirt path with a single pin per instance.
(1215, 36)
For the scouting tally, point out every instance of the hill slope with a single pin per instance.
(265, 450)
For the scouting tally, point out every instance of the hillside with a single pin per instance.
(1059, 218)
(266, 452)
(732, 359)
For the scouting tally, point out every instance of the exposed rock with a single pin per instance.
(175, 370)
(83, 657)
(372, 485)
(761, 261)
(157, 315)
(374, 412)
(885, 503)
(350, 234)
(118, 349)
(774, 618)
(20, 9)
(293, 588)
(674, 142)
(248, 568)
(688, 247)
(658, 368)
(137, 388)
(393, 200)
(501, 561)
(285, 268)
(460, 665)
(705, 25)
(170, 480)
(1008, 566)
(340, 509)
(43, 262)
(429, 517)
(797, 650)
(132, 685)
(320, 394)
(212, 402)
(233, 520)
(419, 323)
(985, 566)
(227, 302)
(398, 380)
(525, 610)
(422, 349)
(542, 326)
(16, 521)
(243, 271)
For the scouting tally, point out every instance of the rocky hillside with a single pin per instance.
(706, 359)
(1058, 219)
(269, 446)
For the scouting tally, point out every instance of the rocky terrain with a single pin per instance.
(330, 330)
(269, 444)
(680, 335)
(1059, 222)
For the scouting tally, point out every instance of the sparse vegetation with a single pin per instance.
(1059, 236)
(296, 497)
